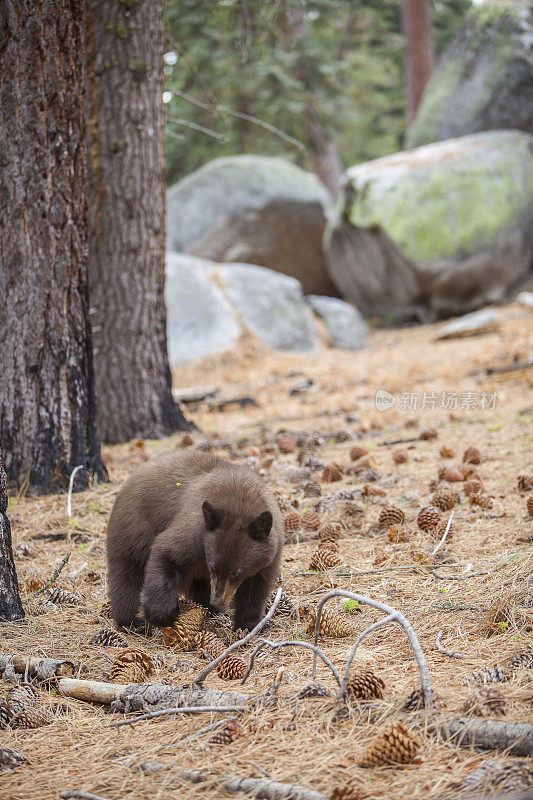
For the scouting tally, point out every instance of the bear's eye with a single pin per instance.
(238, 574)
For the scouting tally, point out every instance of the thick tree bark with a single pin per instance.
(47, 407)
(10, 604)
(419, 51)
(127, 216)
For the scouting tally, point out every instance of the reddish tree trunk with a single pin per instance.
(419, 51)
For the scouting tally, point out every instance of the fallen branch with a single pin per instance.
(444, 535)
(202, 675)
(78, 793)
(258, 787)
(53, 578)
(489, 734)
(181, 710)
(292, 643)
(441, 649)
(43, 669)
(396, 616)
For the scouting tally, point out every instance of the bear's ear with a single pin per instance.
(260, 527)
(212, 516)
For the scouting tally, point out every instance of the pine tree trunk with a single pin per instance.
(127, 216)
(419, 51)
(10, 605)
(47, 407)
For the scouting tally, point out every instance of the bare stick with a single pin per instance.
(44, 669)
(378, 624)
(397, 617)
(258, 787)
(445, 534)
(490, 734)
(70, 487)
(207, 729)
(441, 649)
(292, 643)
(52, 579)
(200, 128)
(181, 710)
(202, 675)
(79, 793)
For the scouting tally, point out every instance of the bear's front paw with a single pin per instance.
(158, 610)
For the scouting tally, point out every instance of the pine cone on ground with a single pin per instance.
(35, 609)
(9, 759)
(226, 734)
(365, 685)
(485, 702)
(473, 486)
(472, 455)
(451, 474)
(285, 606)
(29, 717)
(446, 452)
(323, 559)
(331, 530)
(6, 712)
(511, 778)
(332, 472)
(62, 596)
(209, 645)
(523, 658)
(415, 701)
(525, 481)
(232, 668)
(530, 505)
(389, 516)
(24, 694)
(329, 544)
(445, 499)
(131, 665)
(332, 623)
(107, 637)
(187, 440)
(187, 625)
(357, 452)
(481, 500)
(429, 434)
(400, 457)
(311, 521)
(393, 744)
(398, 533)
(495, 674)
(438, 532)
(428, 518)
(352, 790)
(311, 489)
(312, 690)
(292, 522)
(286, 443)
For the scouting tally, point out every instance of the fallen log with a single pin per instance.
(42, 669)
(488, 734)
(257, 787)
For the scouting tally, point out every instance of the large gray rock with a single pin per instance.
(254, 209)
(271, 306)
(344, 323)
(436, 231)
(484, 80)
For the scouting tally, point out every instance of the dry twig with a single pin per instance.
(441, 649)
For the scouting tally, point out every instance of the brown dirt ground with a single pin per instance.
(80, 750)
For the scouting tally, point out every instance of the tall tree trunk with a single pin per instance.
(47, 406)
(10, 604)
(419, 51)
(127, 216)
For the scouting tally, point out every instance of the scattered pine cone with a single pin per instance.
(481, 500)
(292, 522)
(209, 645)
(329, 544)
(415, 701)
(389, 516)
(523, 658)
(495, 674)
(438, 532)
(285, 607)
(352, 790)
(311, 489)
(473, 486)
(28, 717)
(507, 779)
(107, 637)
(485, 702)
(232, 668)
(226, 734)
(23, 694)
(311, 521)
(38, 607)
(393, 744)
(330, 531)
(332, 472)
(58, 594)
(398, 534)
(525, 482)
(9, 759)
(332, 623)
(530, 505)
(357, 452)
(187, 440)
(312, 690)
(286, 443)
(446, 452)
(365, 685)
(428, 434)
(472, 455)
(324, 559)
(451, 474)
(428, 518)
(187, 625)
(445, 499)
(400, 457)
(131, 665)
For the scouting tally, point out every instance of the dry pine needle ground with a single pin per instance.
(486, 617)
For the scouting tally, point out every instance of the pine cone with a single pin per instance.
(330, 531)
(525, 481)
(312, 690)
(6, 712)
(226, 734)
(445, 499)
(28, 717)
(446, 452)
(187, 625)
(285, 606)
(313, 463)
(415, 701)
(323, 559)
(495, 674)
(428, 434)
(286, 443)
(523, 658)
(292, 522)
(232, 668)
(357, 452)
(35, 609)
(365, 685)
(187, 440)
(311, 489)
(311, 521)
(511, 778)
(352, 790)
(485, 702)
(131, 665)
(389, 516)
(451, 474)
(530, 505)
(438, 532)
(473, 486)
(400, 457)
(9, 759)
(59, 594)
(265, 462)
(105, 610)
(397, 533)
(209, 645)
(332, 472)
(107, 637)
(472, 455)
(332, 623)
(329, 544)
(24, 694)
(393, 744)
(481, 500)
(428, 518)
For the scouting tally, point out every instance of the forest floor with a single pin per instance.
(478, 589)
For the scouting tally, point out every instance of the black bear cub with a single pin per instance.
(195, 524)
